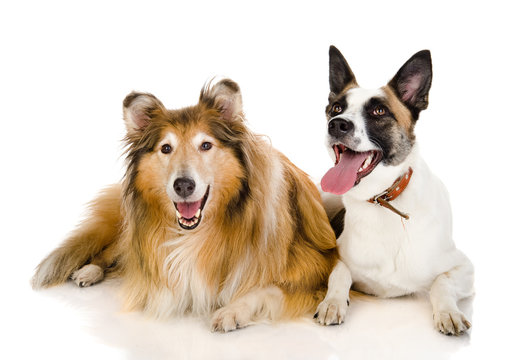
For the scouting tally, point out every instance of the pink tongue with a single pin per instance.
(343, 176)
(188, 209)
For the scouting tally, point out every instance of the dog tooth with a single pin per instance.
(198, 213)
(178, 214)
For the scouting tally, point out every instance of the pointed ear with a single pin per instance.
(413, 81)
(225, 96)
(340, 74)
(140, 109)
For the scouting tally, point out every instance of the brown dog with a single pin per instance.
(208, 219)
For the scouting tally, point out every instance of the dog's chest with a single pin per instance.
(188, 290)
(190, 276)
(382, 250)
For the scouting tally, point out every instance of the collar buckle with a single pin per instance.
(392, 193)
(375, 199)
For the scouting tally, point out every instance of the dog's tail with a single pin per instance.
(99, 231)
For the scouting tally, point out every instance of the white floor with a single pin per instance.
(70, 322)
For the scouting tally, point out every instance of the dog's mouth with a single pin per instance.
(350, 167)
(189, 213)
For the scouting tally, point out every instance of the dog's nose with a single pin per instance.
(340, 127)
(184, 186)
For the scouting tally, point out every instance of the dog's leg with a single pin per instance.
(95, 234)
(332, 310)
(260, 303)
(94, 272)
(445, 292)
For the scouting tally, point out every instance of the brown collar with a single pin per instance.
(392, 193)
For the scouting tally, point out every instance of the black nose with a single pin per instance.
(184, 187)
(340, 127)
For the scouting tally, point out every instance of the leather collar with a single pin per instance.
(390, 194)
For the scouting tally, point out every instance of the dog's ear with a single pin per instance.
(225, 95)
(413, 81)
(140, 109)
(340, 74)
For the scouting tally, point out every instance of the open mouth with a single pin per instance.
(350, 167)
(371, 159)
(189, 213)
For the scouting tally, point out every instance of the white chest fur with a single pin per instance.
(387, 255)
(186, 289)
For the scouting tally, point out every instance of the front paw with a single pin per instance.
(331, 311)
(228, 319)
(451, 322)
(88, 275)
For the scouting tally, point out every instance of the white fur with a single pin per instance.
(333, 203)
(200, 138)
(356, 98)
(276, 176)
(88, 275)
(45, 271)
(333, 308)
(171, 139)
(391, 257)
(186, 288)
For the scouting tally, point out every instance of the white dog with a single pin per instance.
(397, 236)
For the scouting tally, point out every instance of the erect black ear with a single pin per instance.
(140, 109)
(413, 81)
(340, 74)
(225, 95)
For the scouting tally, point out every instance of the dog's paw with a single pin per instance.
(228, 319)
(331, 311)
(88, 275)
(451, 322)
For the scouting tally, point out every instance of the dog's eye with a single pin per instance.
(166, 149)
(337, 108)
(379, 111)
(206, 146)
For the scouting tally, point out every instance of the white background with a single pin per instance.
(65, 67)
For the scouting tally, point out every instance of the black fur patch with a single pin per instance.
(231, 135)
(238, 202)
(339, 100)
(338, 222)
(385, 132)
(137, 148)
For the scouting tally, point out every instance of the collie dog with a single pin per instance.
(209, 219)
(397, 236)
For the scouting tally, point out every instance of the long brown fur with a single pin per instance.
(247, 239)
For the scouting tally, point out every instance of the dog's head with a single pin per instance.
(185, 161)
(370, 129)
